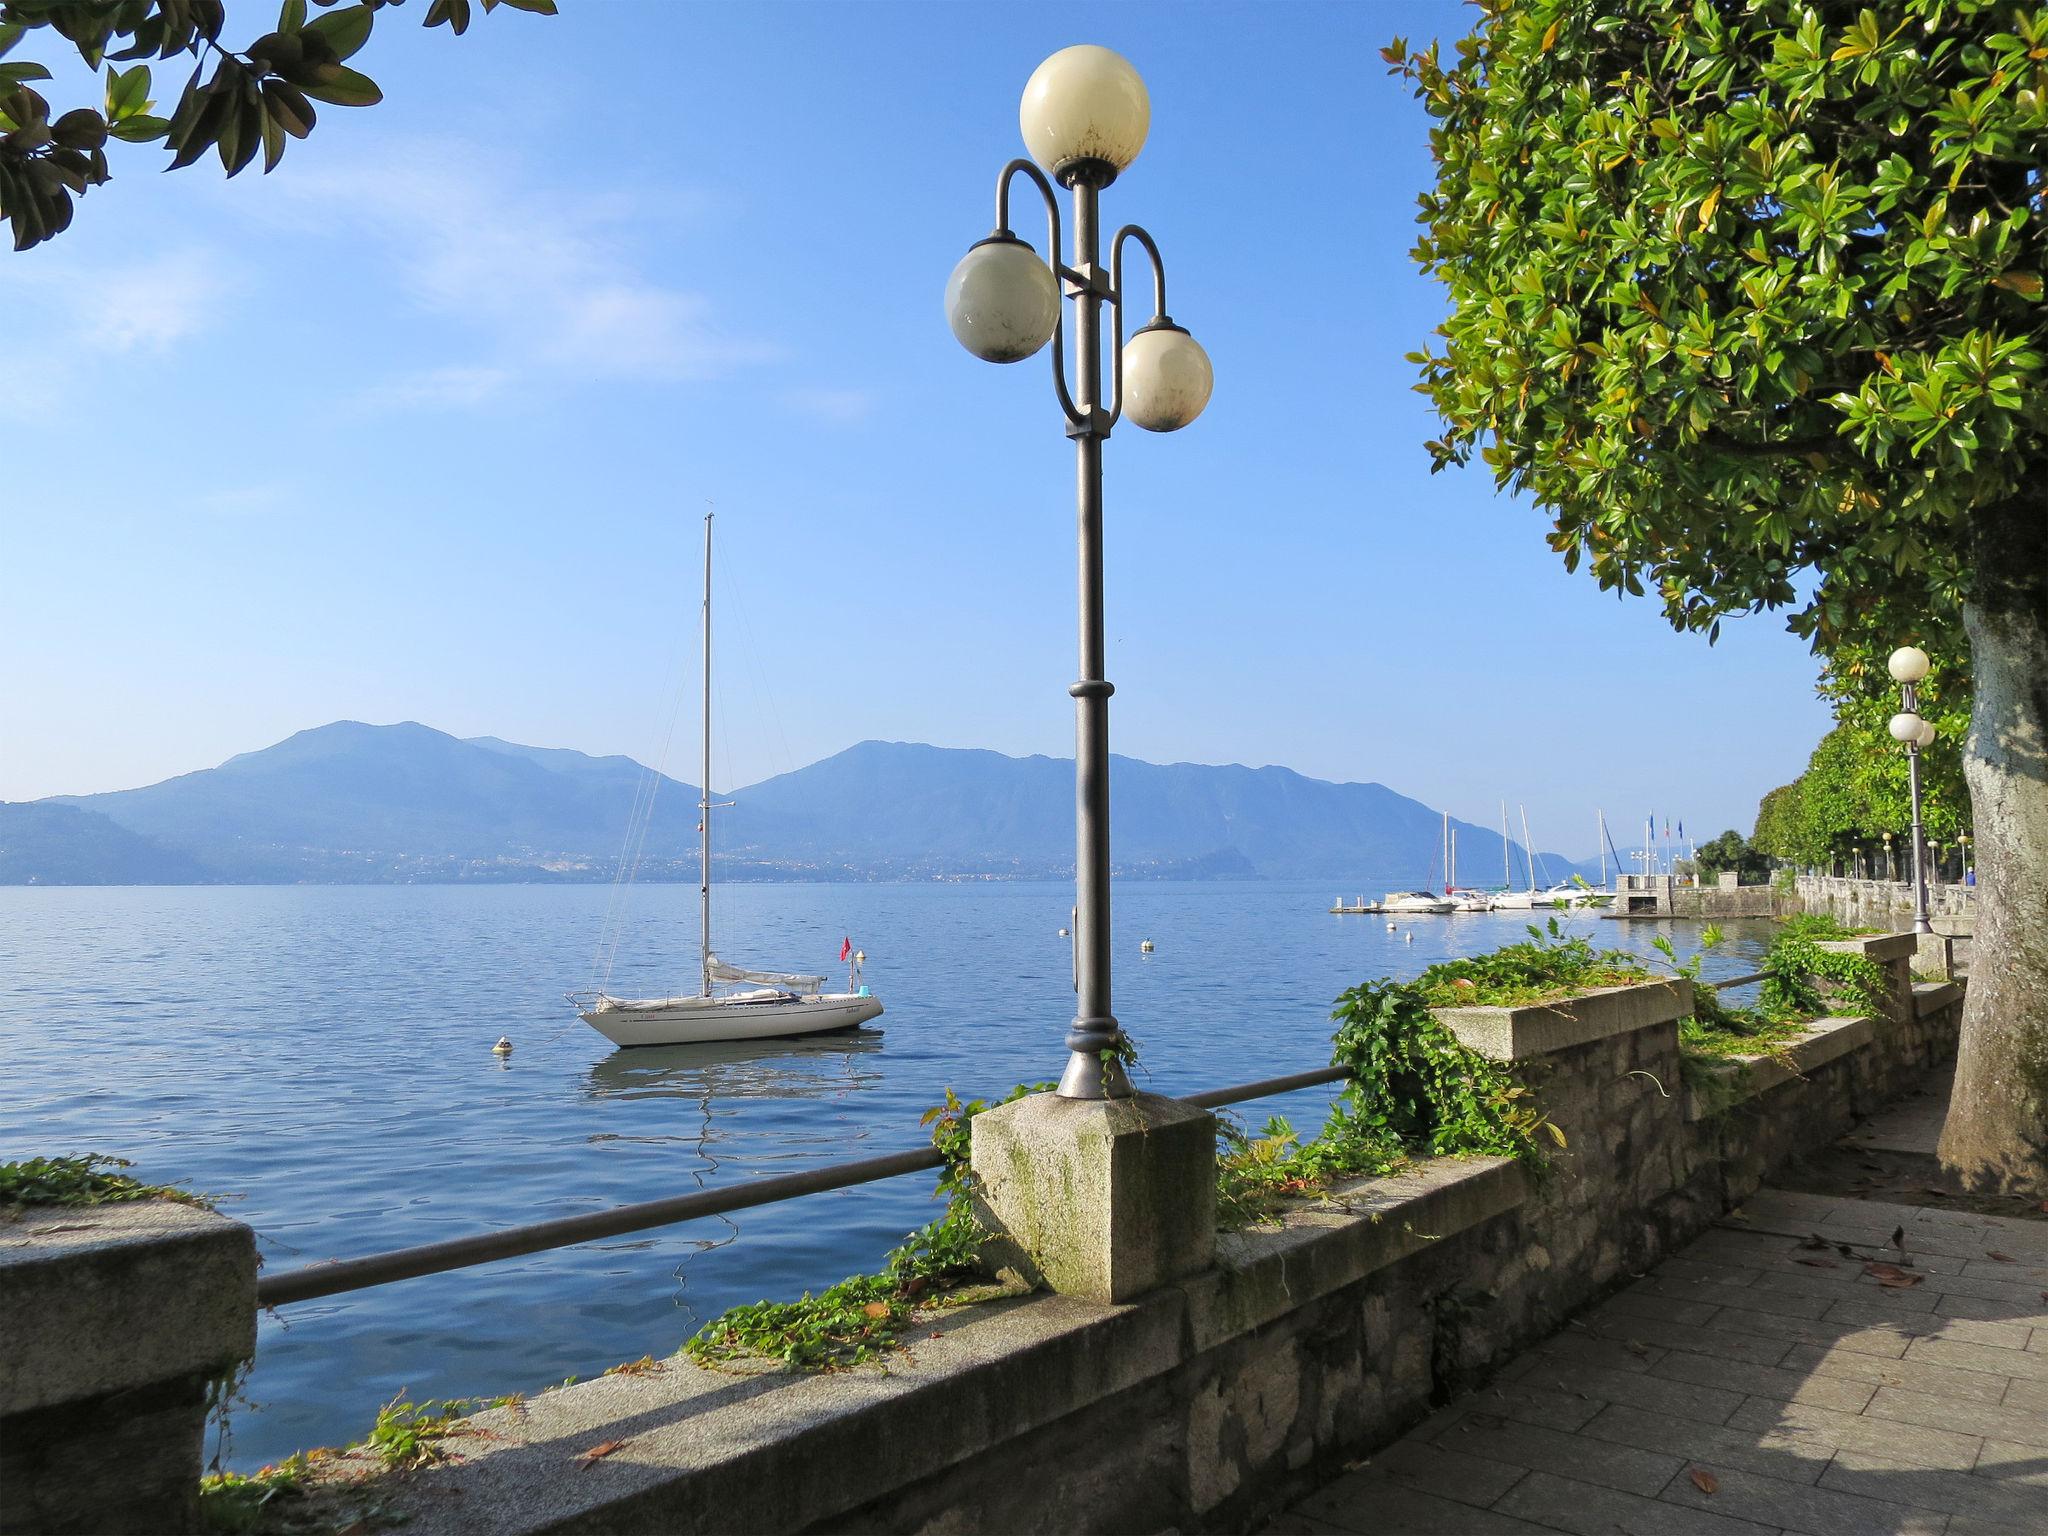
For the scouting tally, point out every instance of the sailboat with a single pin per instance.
(774, 1004)
(1461, 900)
(1532, 899)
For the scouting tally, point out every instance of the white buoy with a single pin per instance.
(503, 1047)
(1393, 927)
(1064, 934)
(1145, 948)
(1407, 938)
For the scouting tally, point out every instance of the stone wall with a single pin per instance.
(1883, 903)
(1210, 1403)
(1661, 896)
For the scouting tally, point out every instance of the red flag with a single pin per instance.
(845, 949)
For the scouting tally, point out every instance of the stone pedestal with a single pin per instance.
(1101, 1198)
(113, 1320)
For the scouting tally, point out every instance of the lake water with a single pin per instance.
(320, 1057)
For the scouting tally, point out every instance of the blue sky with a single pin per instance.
(421, 426)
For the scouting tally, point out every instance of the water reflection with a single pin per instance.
(751, 1069)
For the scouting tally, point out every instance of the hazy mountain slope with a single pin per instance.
(355, 802)
(45, 844)
(882, 800)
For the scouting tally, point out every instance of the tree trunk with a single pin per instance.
(1996, 1136)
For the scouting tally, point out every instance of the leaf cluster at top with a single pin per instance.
(1737, 290)
(253, 101)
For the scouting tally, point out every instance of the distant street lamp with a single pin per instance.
(1908, 665)
(1084, 116)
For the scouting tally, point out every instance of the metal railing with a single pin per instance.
(337, 1276)
(334, 1277)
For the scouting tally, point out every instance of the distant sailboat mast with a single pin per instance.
(1528, 858)
(1507, 876)
(704, 790)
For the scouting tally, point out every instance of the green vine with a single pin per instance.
(75, 1181)
(1415, 1089)
(864, 1317)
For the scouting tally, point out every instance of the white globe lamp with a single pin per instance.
(1002, 301)
(1908, 664)
(1926, 738)
(1167, 377)
(1905, 728)
(1085, 114)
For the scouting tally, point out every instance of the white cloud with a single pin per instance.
(530, 280)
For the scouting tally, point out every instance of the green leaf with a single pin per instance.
(10, 34)
(15, 74)
(344, 31)
(288, 108)
(341, 87)
(140, 129)
(292, 17)
(127, 92)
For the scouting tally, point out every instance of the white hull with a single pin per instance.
(700, 1020)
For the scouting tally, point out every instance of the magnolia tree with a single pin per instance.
(1749, 300)
(239, 102)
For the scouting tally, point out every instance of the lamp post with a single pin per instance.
(1084, 117)
(1908, 665)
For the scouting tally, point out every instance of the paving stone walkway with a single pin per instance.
(1763, 1380)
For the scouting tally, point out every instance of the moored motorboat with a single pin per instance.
(1415, 902)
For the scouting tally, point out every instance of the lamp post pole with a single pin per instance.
(1084, 116)
(1908, 665)
(1094, 1037)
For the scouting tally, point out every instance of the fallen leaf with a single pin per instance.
(2003, 1258)
(938, 1335)
(876, 1309)
(1704, 1480)
(1845, 1250)
(1819, 1263)
(1893, 1276)
(1899, 1238)
(1815, 1241)
(1939, 1193)
(598, 1453)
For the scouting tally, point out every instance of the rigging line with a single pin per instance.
(600, 969)
(638, 814)
(639, 822)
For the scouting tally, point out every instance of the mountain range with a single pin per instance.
(356, 803)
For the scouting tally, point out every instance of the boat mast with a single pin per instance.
(1603, 848)
(1528, 857)
(1449, 883)
(1507, 877)
(704, 789)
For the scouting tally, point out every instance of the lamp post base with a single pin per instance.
(1094, 1077)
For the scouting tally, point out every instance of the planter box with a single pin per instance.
(1884, 948)
(1744, 1077)
(1536, 1029)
